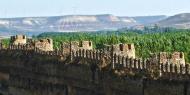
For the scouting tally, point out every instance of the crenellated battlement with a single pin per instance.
(76, 45)
(175, 57)
(175, 71)
(121, 49)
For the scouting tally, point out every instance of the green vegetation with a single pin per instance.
(6, 42)
(145, 44)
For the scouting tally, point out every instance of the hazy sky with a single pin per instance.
(23, 8)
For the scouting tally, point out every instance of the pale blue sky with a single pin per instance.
(23, 8)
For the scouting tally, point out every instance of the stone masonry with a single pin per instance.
(75, 45)
(175, 58)
(122, 49)
(18, 39)
(44, 44)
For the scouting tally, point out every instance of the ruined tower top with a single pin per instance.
(76, 45)
(175, 58)
(85, 45)
(18, 39)
(122, 49)
(44, 44)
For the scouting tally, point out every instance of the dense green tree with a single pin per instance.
(167, 39)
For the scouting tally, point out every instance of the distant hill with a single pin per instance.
(181, 21)
(87, 23)
(148, 19)
(67, 23)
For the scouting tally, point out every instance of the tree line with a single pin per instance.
(145, 43)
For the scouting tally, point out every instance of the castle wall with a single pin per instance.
(187, 87)
(33, 72)
(163, 87)
(124, 87)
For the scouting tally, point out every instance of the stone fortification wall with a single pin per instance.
(33, 71)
